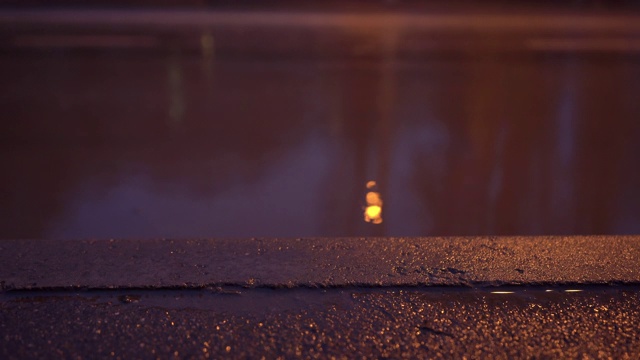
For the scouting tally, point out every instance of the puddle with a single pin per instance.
(242, 301)
(125, 142)
(236, 301)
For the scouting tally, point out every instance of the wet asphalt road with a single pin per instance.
(318, 262)
(531, 322)
(318, 298)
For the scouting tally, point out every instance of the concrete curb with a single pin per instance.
(318, 262)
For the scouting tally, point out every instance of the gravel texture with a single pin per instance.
(598, 322)
(319, 262)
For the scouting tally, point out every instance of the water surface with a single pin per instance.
(118, 143)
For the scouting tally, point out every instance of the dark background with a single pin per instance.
(248, 130)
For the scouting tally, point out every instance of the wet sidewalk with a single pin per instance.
(505, 297)
(523, 322)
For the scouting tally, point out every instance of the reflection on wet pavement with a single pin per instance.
(373, 211)
(114, 143)
(376, 322)
(240, 300)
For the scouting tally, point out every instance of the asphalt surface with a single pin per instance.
(512, 297)
(319, 262)
(598, 322)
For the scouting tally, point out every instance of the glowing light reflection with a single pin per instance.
(373, 211)
(502, 292)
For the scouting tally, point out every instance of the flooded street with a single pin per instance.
(128, 136)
